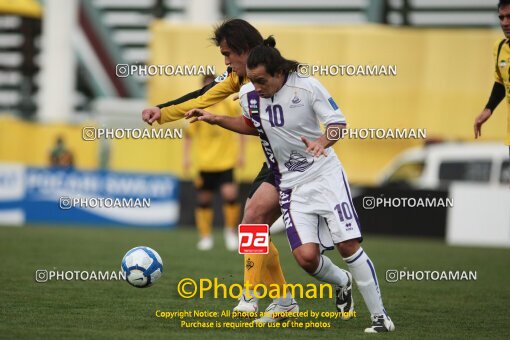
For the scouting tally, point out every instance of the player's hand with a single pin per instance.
(314, 147)
(482, 118)
(196, 115)
(151, 114)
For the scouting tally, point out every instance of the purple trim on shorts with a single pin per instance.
(292, 234)
(319, 235)
(350, 201)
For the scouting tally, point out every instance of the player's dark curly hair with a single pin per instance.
(239, 35)
(267, 55)
(503, 3)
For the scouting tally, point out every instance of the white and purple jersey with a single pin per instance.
(296, 110)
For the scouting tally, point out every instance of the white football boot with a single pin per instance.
(247, 305)
(276, 313)
(205, 243)
(381, 323)
(231, 241)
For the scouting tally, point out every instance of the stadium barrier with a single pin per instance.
(402, 212)
(480, 217)
(32, 195)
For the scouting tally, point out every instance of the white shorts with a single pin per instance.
(320, 211)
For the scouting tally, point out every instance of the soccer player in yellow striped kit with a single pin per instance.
(501, 88)
(236, 38)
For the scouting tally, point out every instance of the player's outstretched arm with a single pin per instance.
(152, 114)
(214, 95)
(236, 124)
(189, 96)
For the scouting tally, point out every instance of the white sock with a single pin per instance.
(328, 272)
(284, 301)
(363, 272)
(278, 226)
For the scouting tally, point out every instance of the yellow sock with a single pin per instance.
(231, 213)
(254, 265)
(264, 269)
(272, 272)
(203, 219)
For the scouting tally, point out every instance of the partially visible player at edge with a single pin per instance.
(285, 111)
(235, 39)
(501, 88)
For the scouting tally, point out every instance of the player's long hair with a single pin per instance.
(267, 55)
(503, 3)
(239, 35)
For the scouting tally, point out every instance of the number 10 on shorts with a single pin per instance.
(253, 239)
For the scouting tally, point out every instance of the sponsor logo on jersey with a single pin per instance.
(296, 102)
(254, 107)
(267, 149)
(298, 162)
(221, 78)
(284, 198)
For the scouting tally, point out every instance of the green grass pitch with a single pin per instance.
(95, 309)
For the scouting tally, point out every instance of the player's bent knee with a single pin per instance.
(307, 260)
(349, 247)
(259, 212)
(251, 215)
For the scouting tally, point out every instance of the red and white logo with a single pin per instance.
(253, 239)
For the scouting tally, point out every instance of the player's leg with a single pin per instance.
(345, 229)
(204, 219)
(303, 236)
(231, 208)
(309, 258)
(363, 271)
(204, 211)
(262, 207)
(270, 267)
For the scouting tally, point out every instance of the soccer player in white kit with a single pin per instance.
(285, 111)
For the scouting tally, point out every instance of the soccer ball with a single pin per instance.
(142, 266)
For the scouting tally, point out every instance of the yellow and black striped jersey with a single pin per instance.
(502, 74)
(223, 86)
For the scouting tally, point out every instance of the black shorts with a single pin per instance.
(265, 176)
(212, 181)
